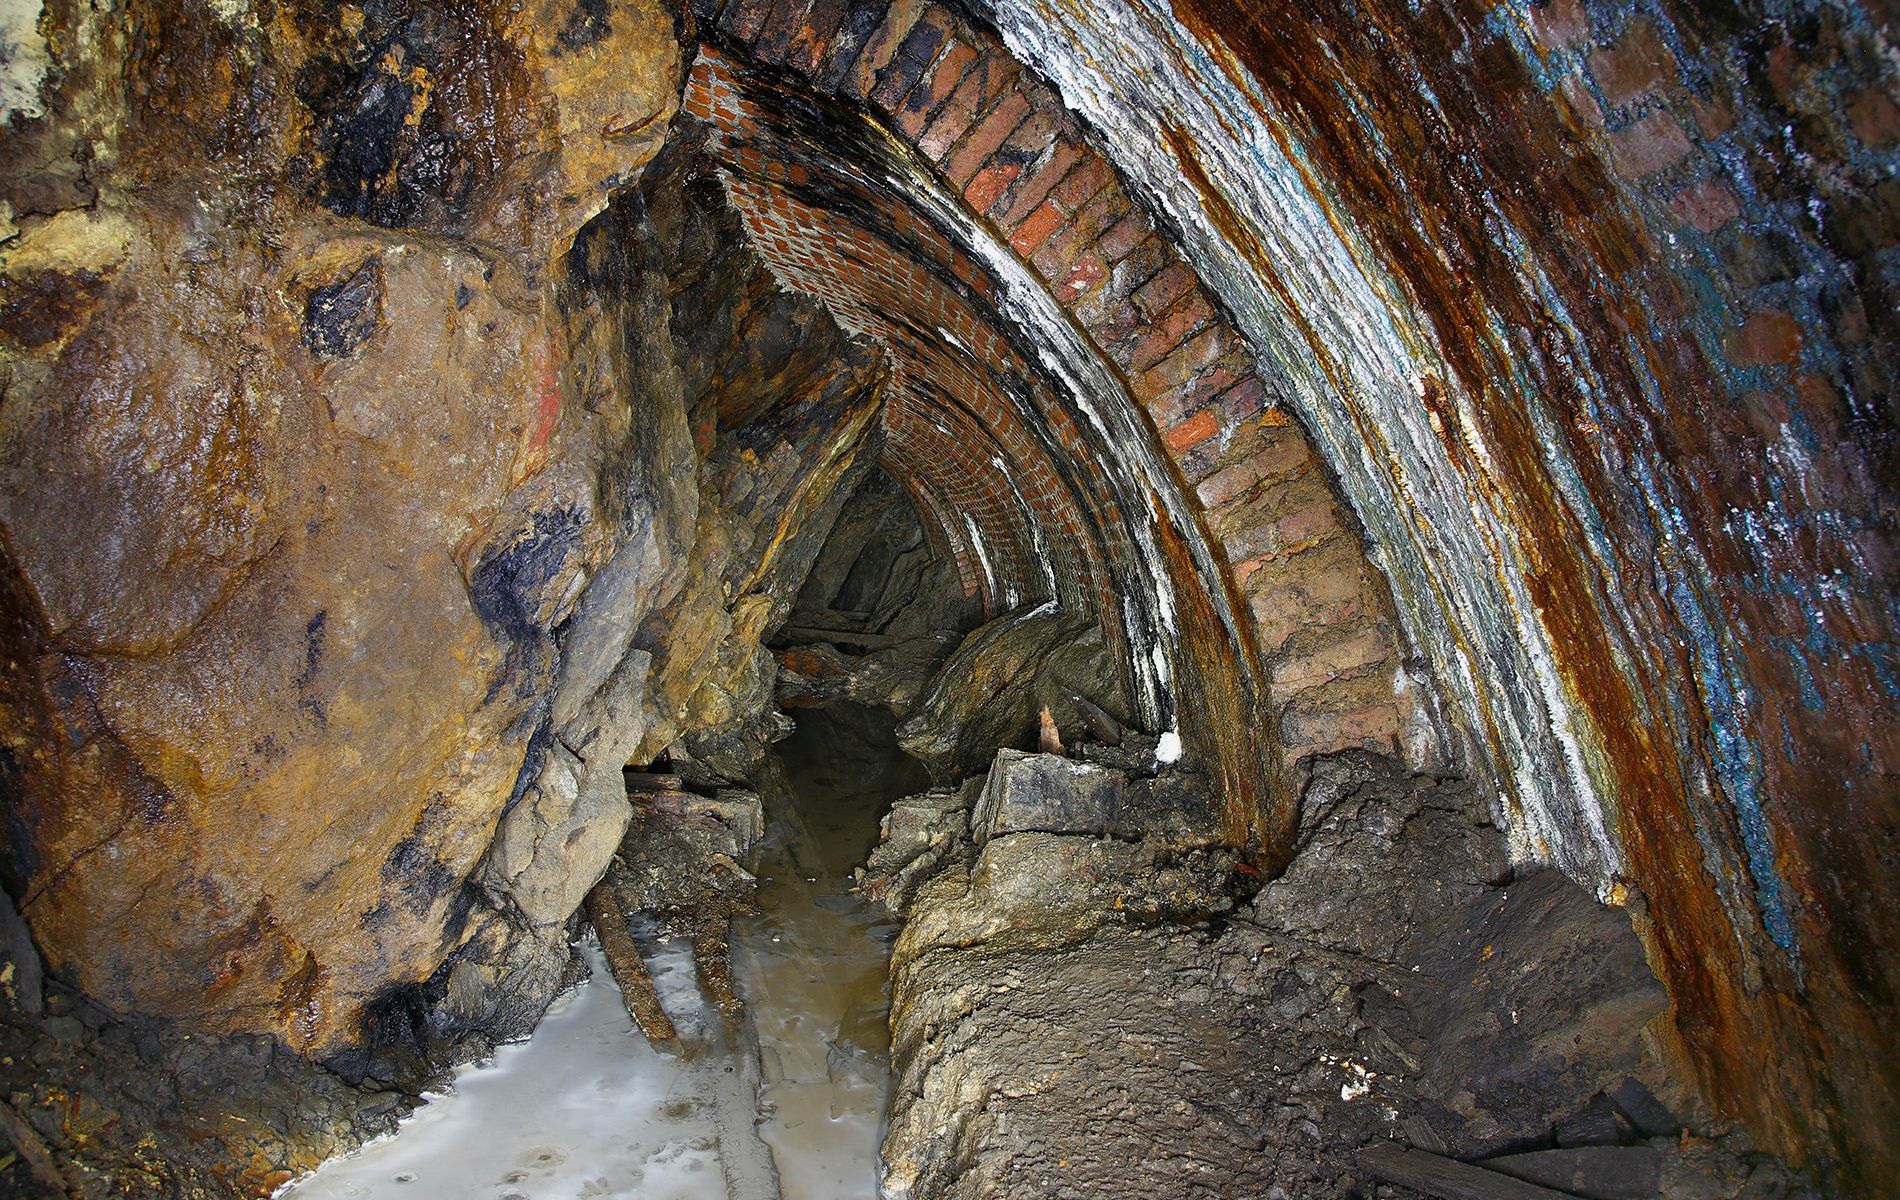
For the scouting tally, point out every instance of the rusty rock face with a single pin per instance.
(265, 688)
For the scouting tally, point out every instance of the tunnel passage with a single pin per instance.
(402, 524)
(1026, 451)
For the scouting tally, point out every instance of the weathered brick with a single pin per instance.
(861, 21)
(743, 20)
(882, 45)
(1084, 276)
(937, 86)
(1160, 338)
(1120, 241)
(1247, 400)
(1560, 24)
(1342, 653)
(1375, 726)
(1033, 231)
(811, 42)
(1038, 182)
(1080, 233)
(1160, 293)
(1874, 118)
(1638, 64)
(1083, 183)
(784, 22)
(1707, 205)
(914, 56)
(1767, 338)
(1652, 144)
(953, 119)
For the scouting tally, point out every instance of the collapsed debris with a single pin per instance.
(679, 864)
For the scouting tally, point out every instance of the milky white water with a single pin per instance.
(586, 1110)
(583, 1109)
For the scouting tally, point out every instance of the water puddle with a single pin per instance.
(586, 1109)
(814, 967)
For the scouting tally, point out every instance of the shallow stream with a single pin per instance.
(586, 1109)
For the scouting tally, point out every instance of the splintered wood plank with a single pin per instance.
(712, 962)
(1447, 1178)
(630, 970)
(648, 781)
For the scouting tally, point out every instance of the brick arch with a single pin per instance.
(1310, 622)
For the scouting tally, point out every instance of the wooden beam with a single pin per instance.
(1447, 1178)
(630, 970)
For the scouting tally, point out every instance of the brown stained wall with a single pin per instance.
(1322, 630)
(1757, 398)
(1646, 253)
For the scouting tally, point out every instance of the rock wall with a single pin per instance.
(284, 375)
(382, 472)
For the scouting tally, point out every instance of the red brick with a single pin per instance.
(1652, 144)
(1638, 64)
(1080, 233)
(986, 138)
(1083, 183)
(1192, 432)
(1033, 231)
(1874, 118)
(1707, 205)
(953, 119)
(990, 183)
(1765, 339)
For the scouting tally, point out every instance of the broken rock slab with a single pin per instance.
(1046, 793)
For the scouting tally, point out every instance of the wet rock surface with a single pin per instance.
(155, 1111)
(1075, 1016)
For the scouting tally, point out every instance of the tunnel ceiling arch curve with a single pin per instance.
(1481, 290)
(1024, 445)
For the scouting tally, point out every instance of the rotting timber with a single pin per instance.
(1333, 497)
